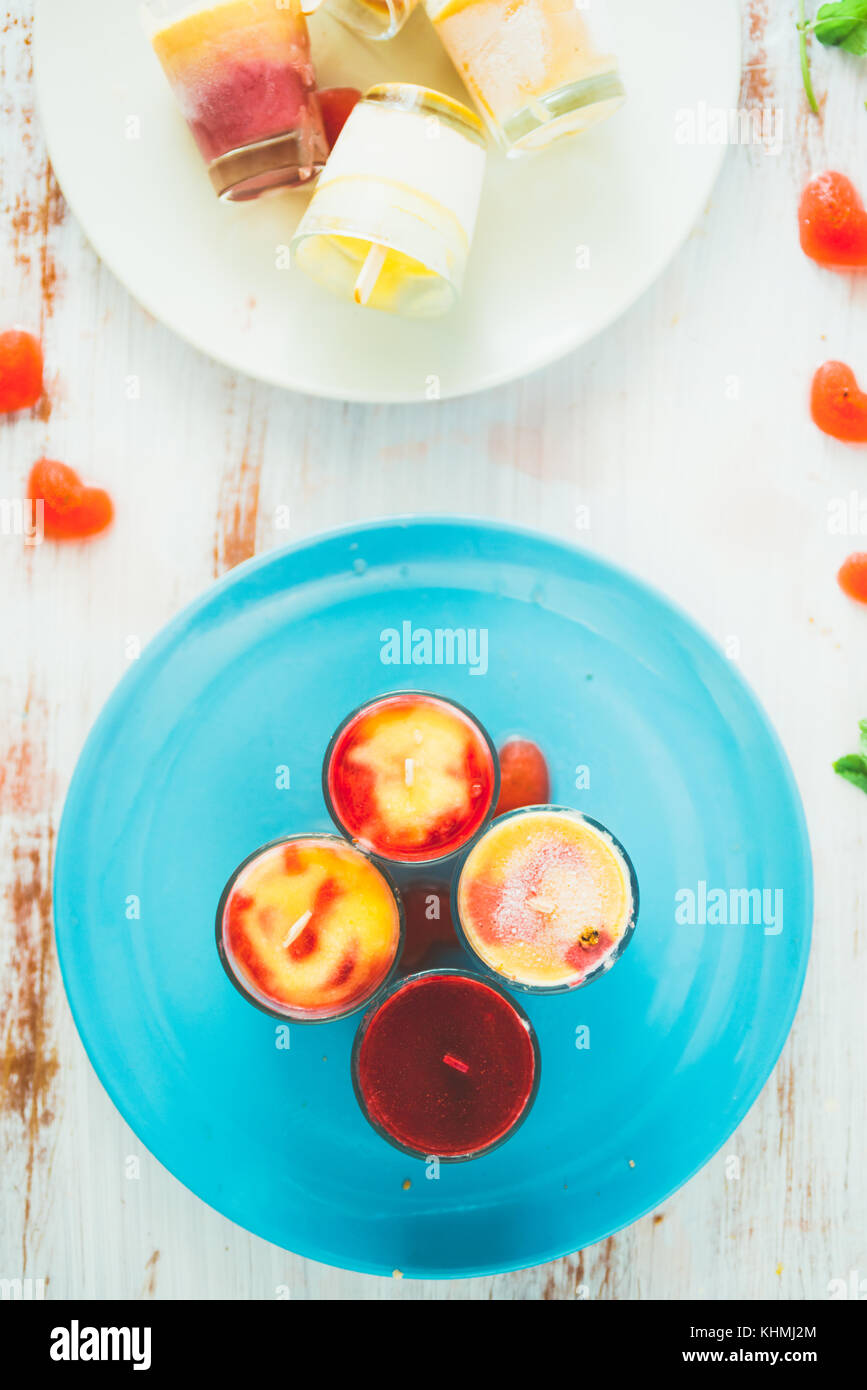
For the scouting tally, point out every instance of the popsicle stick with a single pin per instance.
(297, 928)
(369, 273)
(408, 771)
(310, 6)
(540, 111)
(455, 1063)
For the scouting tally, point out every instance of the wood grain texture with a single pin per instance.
(684, 432)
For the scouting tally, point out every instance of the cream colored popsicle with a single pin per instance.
(391, 222)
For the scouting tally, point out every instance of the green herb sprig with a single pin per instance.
(854, 766)
(842, 24)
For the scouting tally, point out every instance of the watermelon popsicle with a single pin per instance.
(242, 75)
(446, 1066)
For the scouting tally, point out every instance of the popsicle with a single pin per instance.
(391, 222)
(534, 67)
(308, 928)
(410, 777)
(242, 75)
(546, 898)
(446, 1066)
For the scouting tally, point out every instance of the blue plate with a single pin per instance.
(180, 780)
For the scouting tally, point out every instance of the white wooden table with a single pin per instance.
(684, 430)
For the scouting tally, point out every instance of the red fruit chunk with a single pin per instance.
(335, 104)
(71, 509)
(833, 222)
(837, 404)
(293, 862)
(20, 370)
(344, 969)
(853, 577)
(583, 957)
(524, 779)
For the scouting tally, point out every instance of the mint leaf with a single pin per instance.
(854, 768)
(843, 25)
(855, 41)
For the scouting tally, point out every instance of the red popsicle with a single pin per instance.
(447, 1066)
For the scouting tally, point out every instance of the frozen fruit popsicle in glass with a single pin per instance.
(411, 777)
(391, 222)
(446, 1066)
(242, 75)
(547, 899)
(308, 928)
(536, 68)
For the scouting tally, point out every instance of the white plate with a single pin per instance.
(629, 191)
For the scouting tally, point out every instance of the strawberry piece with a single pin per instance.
(335, 103)
(838, 405)
(833, 222)
(71, 509)
(524, 779)
(21, 369)
(853, 577)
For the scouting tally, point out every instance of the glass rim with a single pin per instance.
(518, 132)
(447, 973)
(258, 159)
(377, 855)
(273, 1008)
(427, 99)
(451, 281)
(604, 965)
(158, 14)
